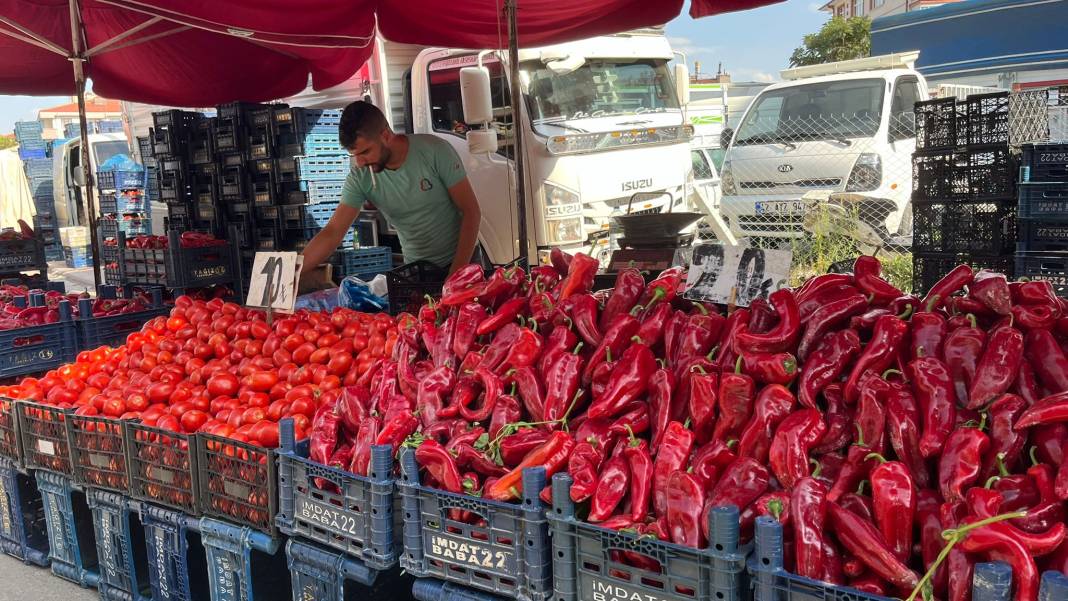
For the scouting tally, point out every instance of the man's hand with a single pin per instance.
(464, 198)
(324, 243)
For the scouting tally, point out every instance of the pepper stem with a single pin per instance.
(1033, 456)
(954, 536)
(971, 320)
(999, 460)
(892, 371)
(860, 436)
(990, 481)
(634, 441)
(861, 487)
(701, 307)
(578, 347)
(775, 508)
(818, 468)
(907, 312)
(738, 365)
(607, 354)
(687, 423)
(876, 456)
(696, 368)
(931, 303)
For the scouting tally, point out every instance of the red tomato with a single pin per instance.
(260, 330)
(339, 364)
(160, 392)
(277, 409)
(258, 399)
(321, 356)
(137, 402)
(114, 407)
(223, 384)
(302, 406)
(266, 433)
(193, 420)
(303, 352)
(169, 423)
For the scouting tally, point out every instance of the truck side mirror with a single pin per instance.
(475, 95)
(725, 137)
(682, 84)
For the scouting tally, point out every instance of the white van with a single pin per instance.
(841, 132)
(67, 175)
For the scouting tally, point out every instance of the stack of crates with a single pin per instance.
(1042, 252)
(76, 246)
(38, 167)
(31, 144)
(123, 208)
(963, 187)
(173, 139)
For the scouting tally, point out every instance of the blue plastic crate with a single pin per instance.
(44, 221)
(365, 262)
(39, 168)
(302, 120)
(431, 589)
(177, 566)
(244, 564)
(120, 180)
(112, 330)
(72, 130)
(29, 152)
(112, 126)
(129, 201)
(71, 537)
(1048, 266)
(323, 575)
(20, 255)
(110, 228)
(23, 533)
(120, 546)
(1045, 200)
(350, 513)
(38, 348)
(586, 564)
(41, 188)
(506, 553)
(77, 257)
(317, 169)
(28, 129)
(324, 192)
(1044, 163)
(10, 442)
(772, 582)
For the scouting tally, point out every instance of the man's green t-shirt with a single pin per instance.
(415, 198)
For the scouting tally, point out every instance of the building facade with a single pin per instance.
(877, 8)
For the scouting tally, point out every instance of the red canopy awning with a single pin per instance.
(205, 52)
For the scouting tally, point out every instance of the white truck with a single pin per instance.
(67, 178)
(839, 134)
(601, 123)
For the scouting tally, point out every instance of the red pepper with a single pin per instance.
(781, 338)
(861, 539)
(552, 456)
(515, 447)
(772, 406)
(928, 335)
(629, 286)
(937, 401)
(580, 274)
(742, 483)
(734, 324)
(1002, 415)
(440, 464)
(775, 504)
(685, 504)
(652, 329)
(826, 364)
(953, 281)
(871, 415)
(991, 289)
(541, 307)
(504, 315)
(491, 390)
(560, 260)
(826, 319)
(762, 317)
(767, 368)
(544, 279)
(584, 466)
(702, 404)
(866, 321)
(697, 337)
(894, 495)
(886, 340)
(559, 342)
(465, 284)
(361, 446)
(961, 461)
(903, 427)
(736, 394)
(470, 317)
(501, 347)
(616, 339)
(583, 310)
(503, 285)
(825, 280)
(531, 391)
(396, 431)
(661, 389)
(798, 433)
(856, 468)
(839, 419)
(1048, 360)
(808, 304)
(998, 367)
(612, 486)
(672, 331)
(629, 380)
(524, 351)
(562, 386)
(640, 464)
(1026, 384)
(663, 289)
(961, 353)
(505, 411)
(866, 272)
(353, 407)
(674, 451)
(1003, 546)
(711, 459)
(323, 437)
(808, 504)
(432, 390)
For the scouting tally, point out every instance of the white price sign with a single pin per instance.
(736, 274)
(274, 281)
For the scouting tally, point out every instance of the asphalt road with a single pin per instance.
(20, 582)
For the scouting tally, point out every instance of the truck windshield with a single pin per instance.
(816, 111)
(599, 88)
(106, 150)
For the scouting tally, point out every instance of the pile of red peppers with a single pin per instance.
(877, 427)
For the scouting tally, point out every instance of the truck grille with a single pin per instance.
(825, 182)
(784, 224)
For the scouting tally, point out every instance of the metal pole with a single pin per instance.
(517, 129)
(87, 171)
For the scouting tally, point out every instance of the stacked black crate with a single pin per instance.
(237, 138)
(963, 188)
(172, 142)
(1042, 252)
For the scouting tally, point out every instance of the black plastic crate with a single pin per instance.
(243, 564)
(259, 144)
(36, 349)
(410, 284)
(10, 443)
(937, 124)
(286, 169)
(432, 589)
(325, 575)
(174, 186)
(112, 330)
(272, 238)
(984, 227)
(988, 118)
(928, 268)
(98, 452)
(267, 190)
(505, 552)
(242, 226)
(267, 216)
(1044, 200)
(292, 217)
(970, 174)
(1051, 267)
(238, 482)
(350, 513)
(177, 267)
(45, 439)
(144, 148)
(202, 142)
(300, 121)
(589, 562)
(261, 168)
(233, 183)
(129, 201)
(163, 467)
(1044, 163)
(21, 255)
(230, 137)
(1041, 236)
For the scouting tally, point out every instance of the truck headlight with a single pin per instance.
(563, 215)
(867, 173)
(565, 231)
(726, 179)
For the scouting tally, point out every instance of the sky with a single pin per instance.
(753, 45)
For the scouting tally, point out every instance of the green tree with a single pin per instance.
(838, 40)
(6, 142)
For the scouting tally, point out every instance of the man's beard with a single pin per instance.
(384, 157)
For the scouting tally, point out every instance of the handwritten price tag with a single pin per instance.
(274, 281)
(725, 274)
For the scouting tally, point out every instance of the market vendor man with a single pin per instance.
(418, 183)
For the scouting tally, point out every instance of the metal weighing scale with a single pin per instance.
(649, 241)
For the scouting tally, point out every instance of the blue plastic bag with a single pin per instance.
(357, 294)
(320, 300)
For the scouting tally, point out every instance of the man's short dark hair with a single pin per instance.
(360, 119)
